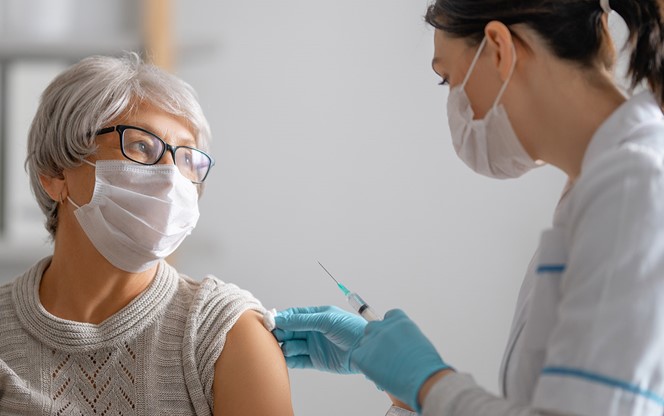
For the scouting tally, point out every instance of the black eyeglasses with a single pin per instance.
(146, 148)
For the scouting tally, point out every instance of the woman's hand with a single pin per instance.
(393, 353)
(320, 337)
(396, 355)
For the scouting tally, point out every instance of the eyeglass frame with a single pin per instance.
(120, 128)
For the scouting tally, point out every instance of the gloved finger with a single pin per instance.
(300, 361)
(295, 348)
(305, 310)
(282, 335)
(395, 314)
(390, 317)
(320, 322)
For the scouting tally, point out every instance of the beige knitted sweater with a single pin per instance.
(154, 357)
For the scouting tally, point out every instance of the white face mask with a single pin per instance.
(138, 214)
(488, 146)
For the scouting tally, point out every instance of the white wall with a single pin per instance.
(332, 144)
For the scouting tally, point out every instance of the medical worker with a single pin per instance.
(531, 81)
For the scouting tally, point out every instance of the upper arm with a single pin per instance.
(250, 376)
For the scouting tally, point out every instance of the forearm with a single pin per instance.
(398, 403)
(459, 395)
(398, 411)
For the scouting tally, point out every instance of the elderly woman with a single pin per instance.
(117, 156)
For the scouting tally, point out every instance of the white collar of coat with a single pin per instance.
(641, 109)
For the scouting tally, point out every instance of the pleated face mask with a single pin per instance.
(489, 146)
(138, 214)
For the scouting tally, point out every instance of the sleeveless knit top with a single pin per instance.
(156, 356)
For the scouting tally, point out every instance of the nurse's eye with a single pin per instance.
(444, 81)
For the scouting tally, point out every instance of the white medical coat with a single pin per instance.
(588, 332)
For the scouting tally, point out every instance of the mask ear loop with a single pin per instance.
(472, 64)
(68, 198)
(509, 77)
(606, 6)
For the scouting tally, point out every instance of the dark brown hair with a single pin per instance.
(573, 29)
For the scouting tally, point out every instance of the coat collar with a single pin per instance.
(641, 109)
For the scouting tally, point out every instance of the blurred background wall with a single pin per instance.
(331, 142)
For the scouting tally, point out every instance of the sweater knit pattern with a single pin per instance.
(155, 356)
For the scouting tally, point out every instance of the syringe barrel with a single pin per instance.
(360, 306)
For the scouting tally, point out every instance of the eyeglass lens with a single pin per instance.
(143, 147)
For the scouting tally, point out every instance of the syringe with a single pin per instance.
(355, 301)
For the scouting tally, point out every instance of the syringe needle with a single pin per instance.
(356, 302)
(339, 285)
(330, 274)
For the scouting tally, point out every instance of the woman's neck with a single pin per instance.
(81, 285)
(562, 112)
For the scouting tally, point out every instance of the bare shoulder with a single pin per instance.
(251, 376)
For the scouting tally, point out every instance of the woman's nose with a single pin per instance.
(169, 156)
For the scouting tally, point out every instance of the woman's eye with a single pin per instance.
(445, 81)
(141, 150)
(141, 147)
(185, 159)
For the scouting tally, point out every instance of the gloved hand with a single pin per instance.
(320, 337)
(395, 354)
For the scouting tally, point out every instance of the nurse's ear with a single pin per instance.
(55, 187)
(500, 44)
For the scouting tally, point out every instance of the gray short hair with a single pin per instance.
(84, 98)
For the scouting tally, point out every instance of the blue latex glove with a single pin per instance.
(396, 355)
(321, 337)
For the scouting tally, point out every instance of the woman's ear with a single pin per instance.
(54, 187)
(500, 43)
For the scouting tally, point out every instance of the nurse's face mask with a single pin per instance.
(138, 214)
(488, 146)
